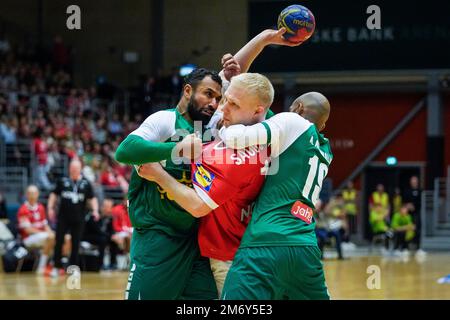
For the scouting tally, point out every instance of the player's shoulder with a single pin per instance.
(161, 115)
(290, 117)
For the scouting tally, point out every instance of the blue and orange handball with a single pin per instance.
(299, 23)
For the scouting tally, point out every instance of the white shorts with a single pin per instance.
(36, 239)
(220, 269)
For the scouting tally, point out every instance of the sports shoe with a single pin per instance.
(55, 273)
(420, 253)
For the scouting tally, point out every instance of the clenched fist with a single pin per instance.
(190, 147)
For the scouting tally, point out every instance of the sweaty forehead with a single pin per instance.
(209, 84)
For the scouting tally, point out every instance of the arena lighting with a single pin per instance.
(186, 69)
(391, 161)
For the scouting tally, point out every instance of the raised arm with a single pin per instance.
(254, 47)
(243, 59)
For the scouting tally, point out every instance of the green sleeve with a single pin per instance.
(395, 221)
(372, 217)
(136, 150)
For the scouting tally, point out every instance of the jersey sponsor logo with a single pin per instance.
(203, 177)
(240, 156)
(302, 211)
(184, 180)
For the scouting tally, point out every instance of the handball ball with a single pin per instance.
(299, 23)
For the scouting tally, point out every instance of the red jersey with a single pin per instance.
(121, 220)
(228, 181)
(41, 150)
(31, 216)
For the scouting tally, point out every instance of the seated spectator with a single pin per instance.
(377, 219)
(34, 228)
(403, 227)
(100, 233)
(122, 226)
(325, 231)
(108, 177)
(336, 214)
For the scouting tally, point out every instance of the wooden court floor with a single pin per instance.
(398, 279)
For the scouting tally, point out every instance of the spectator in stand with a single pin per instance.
(325, 233)
(380, 197)
(397, 201)
(100, 132)
(115, 126)
(108, 177)
(52, 100)
(41, 152)
(8, 130)
(349, 194)
(122, 226)
(33, 227)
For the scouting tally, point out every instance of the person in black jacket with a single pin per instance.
(99, 232)
(412, 197)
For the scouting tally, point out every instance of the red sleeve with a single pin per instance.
(21, 213)
(210, 184)
(117, 226)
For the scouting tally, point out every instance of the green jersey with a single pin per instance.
(150, 207)
(300, 160)
(399, 220)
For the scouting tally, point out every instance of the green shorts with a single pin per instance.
(164, 268)
(276, 273)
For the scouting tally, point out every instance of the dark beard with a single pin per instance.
(194, 111)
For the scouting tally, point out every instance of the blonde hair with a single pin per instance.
(257, 84)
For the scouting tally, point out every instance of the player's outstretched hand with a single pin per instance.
(150, 171)
(230, 66)
(271, 36)
(190, 147)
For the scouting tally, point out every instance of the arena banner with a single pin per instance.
(412, 35)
